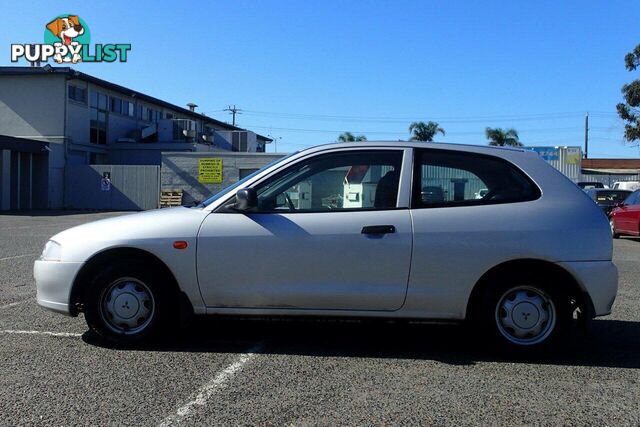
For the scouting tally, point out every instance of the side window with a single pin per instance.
(338, 181)
(450, 178)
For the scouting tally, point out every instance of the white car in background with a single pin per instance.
(481, 193)
(519, 263)
(627, 185)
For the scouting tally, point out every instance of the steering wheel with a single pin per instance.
(289, 202)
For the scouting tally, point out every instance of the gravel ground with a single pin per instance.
(278, 372)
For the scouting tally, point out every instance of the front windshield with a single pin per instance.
(242, 181)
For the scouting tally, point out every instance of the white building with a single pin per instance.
(72, 118)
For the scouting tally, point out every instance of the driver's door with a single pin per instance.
(331, 232)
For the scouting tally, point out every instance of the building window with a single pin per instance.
(168, 116)
(98, 128)
(98, 118)
(103, 100)
(128, 109)
(239, 141)
(99, 100)
(78, 94)
(116, 105)
(142, 112)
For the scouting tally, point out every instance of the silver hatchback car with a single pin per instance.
(385, 229)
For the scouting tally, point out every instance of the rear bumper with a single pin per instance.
(54, 281)
(599, 279)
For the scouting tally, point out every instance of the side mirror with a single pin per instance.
(246, 199)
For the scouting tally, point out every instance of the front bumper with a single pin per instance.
(54, 280)
(599, 279)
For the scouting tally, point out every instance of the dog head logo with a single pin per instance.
(69, 31)
(67, 28)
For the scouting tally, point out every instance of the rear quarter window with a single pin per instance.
(452, 178)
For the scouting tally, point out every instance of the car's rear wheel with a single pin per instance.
(526, 314)
(613, 229)
(126, 303)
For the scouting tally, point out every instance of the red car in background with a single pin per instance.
(625, 218)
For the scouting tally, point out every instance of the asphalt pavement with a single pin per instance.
(221, 372)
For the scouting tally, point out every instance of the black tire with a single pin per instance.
(132, 281)
(492, 317)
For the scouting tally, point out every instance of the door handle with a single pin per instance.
(378, 229)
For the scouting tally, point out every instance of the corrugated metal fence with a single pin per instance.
(568, 161)
(446, 179)
(129, 187)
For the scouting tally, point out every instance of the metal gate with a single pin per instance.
(112, 187)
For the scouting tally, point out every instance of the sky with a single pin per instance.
(305, 71)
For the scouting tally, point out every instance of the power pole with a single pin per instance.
(586, 135)
(233, 111)
(275, 139)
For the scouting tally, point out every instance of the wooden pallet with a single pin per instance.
(170, 198)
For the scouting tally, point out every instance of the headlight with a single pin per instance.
(52, 251)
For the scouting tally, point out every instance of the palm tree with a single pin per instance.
(503, 137)
(421, 131)
(349, 137)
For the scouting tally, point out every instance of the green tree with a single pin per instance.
(349, 137)
(503, 137)
(421, 131)
(628, 110)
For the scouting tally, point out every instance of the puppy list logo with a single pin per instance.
(67, 40)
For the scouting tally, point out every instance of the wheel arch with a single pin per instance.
(536, 267)
(102, 258)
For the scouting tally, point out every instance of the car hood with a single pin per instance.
(144, 230)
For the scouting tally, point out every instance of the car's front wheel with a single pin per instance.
(126, 303)
(526, 314)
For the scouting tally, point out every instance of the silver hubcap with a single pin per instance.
(525, 315)
(127, 306)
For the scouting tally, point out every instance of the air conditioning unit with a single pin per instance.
(184, 127)
(207, 137)
(177, 130)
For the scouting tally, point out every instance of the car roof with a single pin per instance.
(488, 149)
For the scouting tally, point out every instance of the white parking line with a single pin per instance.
(46, 333)
(13, 304)
(208, 390)
(17, 256)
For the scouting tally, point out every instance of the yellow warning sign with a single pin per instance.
(210, 171)
(573, 156)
